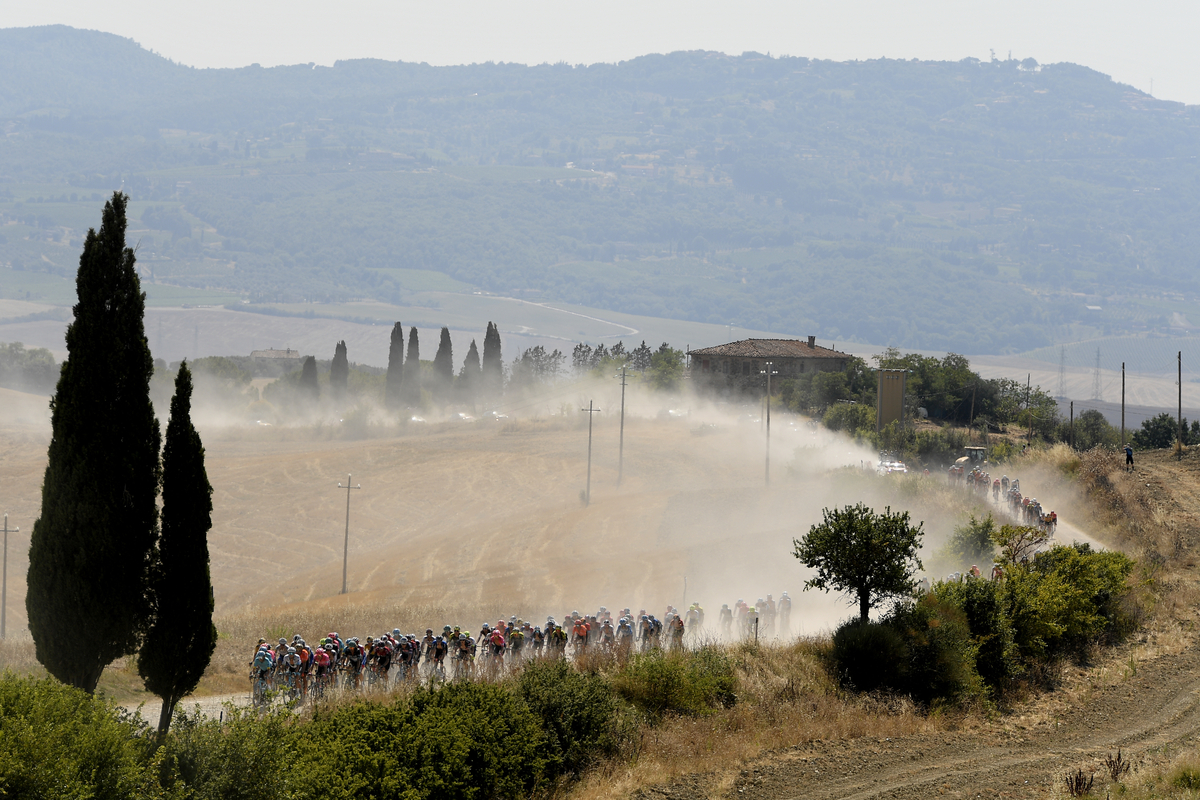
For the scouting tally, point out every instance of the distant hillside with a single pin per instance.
(973, 206)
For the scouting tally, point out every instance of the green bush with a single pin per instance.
(209, 759)
(679, 682)
(59, 742)
(1186, 777)
(464, 740)
(941, 652)
(1066, 598)
(856, 419)
(579, 713)
(971, 543)
(997, 659)
(869, 656)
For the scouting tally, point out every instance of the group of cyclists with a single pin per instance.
(1027, 509)
(297, 670)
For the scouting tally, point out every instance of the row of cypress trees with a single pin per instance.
(482, 380)
(108, 576)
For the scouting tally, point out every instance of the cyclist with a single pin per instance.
(624, 636)
(538, 638)
(351, 660)
(607, 635)
(440, 648)
(381, 659)
(725, 619)
(784, 609)
(516, 642)
(677, 628)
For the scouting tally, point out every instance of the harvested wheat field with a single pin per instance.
(488, 517)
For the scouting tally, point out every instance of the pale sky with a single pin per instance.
(1134, 42)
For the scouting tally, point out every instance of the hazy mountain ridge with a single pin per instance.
(902, 202)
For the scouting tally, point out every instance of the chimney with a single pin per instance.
(812, 341)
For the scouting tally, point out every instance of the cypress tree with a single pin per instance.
(412, 369)
(309, 389)
(182, 637)
(443, 365)
(395, 369)
(471, 375)
(493, 370)
(339, 372)
(92, 547)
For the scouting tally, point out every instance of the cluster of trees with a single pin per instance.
(27, 370)
(585, 358)
(109, 575)
(960, 640)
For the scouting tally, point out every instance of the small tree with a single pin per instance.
(666, 368)
(182, 637)
(395, 369)
(309, 388)
(412, 369)
(1018, 542)
(339, 372)
(471, 375)
(859, 552)
(443, 365)
(493, 369)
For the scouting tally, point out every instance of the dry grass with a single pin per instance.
(785, 699)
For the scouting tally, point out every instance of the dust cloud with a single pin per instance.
(474, 511)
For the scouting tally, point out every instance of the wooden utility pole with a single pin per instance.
(769, 370)
(587, 497)
(1072, 424)
(346, 541)
(1122, 404)
(4, 582)
(621, 451)
(1179, 378)
(1028, 408)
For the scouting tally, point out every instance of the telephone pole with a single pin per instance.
(1179, 366)
(1122, 404)
(768, 370)
(4, 582)
(346, 542)
(591, 412)
(621, 452)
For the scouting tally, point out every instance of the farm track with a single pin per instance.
(1156, 707)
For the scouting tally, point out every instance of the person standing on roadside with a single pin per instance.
(1128, 458)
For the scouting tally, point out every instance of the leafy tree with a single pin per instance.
(92, 547)
(641, 357)
(309, 388)
(493, 369)
(339, 372)
(412, 369)
(1158, 432)
(859, 552)
(395, 368)
(1018, 543)
(31, 370)
(535, 366)
(180, 641)
(1091, 430)
(856, 419)
(666, 368)
(443, 365)
(971, 542)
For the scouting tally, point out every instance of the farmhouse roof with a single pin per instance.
(273, 353)
(770, 348)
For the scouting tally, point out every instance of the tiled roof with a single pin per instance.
(768, 348)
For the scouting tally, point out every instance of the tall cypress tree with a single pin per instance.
(471, 375)
(339, 372)
(443, 366)
(182, 637)
(309, 390)
(412, 369)
(93, 546)
(395, 369)
(493, 370)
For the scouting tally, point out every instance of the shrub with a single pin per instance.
(578, 712)
(941, 652)
(56, 741)
(1186, 776)
(212, 758)
(997, 659)
(869, 656)
(679, 682)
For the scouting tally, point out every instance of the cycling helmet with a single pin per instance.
(291, 651)
(428, 631)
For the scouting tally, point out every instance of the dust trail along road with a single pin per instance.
(1157, 706)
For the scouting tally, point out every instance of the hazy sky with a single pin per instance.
(1134, 42)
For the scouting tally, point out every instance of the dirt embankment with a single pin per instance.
(1143, 697)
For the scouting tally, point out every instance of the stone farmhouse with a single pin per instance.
(738, 366)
